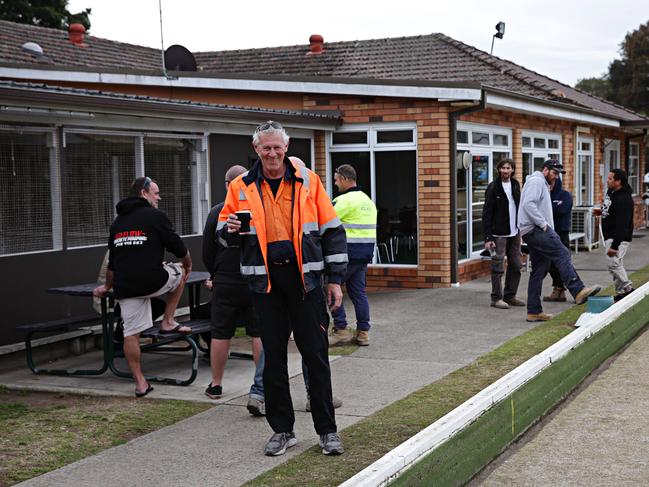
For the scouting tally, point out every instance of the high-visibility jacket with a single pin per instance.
(357, 213)
(318, 235)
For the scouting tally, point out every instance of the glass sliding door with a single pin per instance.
(584, 172)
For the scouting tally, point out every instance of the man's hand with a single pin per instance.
(233, 223)
(100, 291)
(597, 211)
(545, 228)
(611, 252)
(334, 296)
(208, 284)
(186, 262)
(490, 245)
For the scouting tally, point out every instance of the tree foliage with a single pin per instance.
(44, 13)
(627, 80)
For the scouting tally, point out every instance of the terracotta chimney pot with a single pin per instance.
(316, 41)
(77, 33)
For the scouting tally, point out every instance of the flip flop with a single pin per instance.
(175, 329)
(142, 394)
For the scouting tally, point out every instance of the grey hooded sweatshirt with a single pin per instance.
(535, 208)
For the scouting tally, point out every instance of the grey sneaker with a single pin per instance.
(331, 444)
(278, 444)
(336, 400)
(256, 407)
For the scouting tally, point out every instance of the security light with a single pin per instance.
(500, 32)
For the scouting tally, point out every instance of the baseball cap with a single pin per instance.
(554, 165)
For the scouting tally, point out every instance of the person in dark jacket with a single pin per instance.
(137, 272)
(617, 227)
(499, 222)
(231, 304)
(561, 208)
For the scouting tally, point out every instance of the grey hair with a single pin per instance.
(269, 128)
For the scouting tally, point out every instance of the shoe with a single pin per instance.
(500, 304)
(362, 338)
(532, 317)
(340, 336)
(558, 294)
(256, 407)
(336, 401)
(331, 444)
(514, 302)
(585, 293)
(623, 295)
(213, 392)
(278, 444)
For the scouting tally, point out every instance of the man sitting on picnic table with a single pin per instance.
(136, 270)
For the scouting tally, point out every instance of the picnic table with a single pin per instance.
(158, 342)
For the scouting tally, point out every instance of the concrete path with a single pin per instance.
(417, 337)
(600, 437)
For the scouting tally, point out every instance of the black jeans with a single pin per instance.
(554, 272)
(287, 307)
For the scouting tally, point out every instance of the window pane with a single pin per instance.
(99, 170)
(461, 210)
(170, 163)
(462, 137)
(360, 161)
(556, 157)
(350, 138)
(480, 138)
(539, 143)
(585, 146)
(633, 149)
(392, 136)
(497, 157)
(553, 143)
(500, 139)
(397, 198)
(538, 163)
(527, 142)
(528, 168)
(479, 182)
(25, 194)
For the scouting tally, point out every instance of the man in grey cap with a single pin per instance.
(536, 225)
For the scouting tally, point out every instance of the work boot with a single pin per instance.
(514, 302)
(362, 338)
(256, 407)
(500, 304)
(336, 401)
(585, 293)
(558, 294)
(340, 336)
(538, 317)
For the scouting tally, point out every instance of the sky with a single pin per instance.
(564, 39)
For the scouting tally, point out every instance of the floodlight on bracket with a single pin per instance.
(500, 32)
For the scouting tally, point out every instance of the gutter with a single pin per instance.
(453, 117)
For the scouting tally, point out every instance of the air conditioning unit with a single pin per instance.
(583, 221)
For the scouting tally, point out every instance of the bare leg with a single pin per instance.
(132, 354)
(173, 298)
(218, 357)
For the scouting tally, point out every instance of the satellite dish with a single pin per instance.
(463, 160)
(178, 58)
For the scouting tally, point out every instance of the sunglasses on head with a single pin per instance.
(147, 182)
(268, 125)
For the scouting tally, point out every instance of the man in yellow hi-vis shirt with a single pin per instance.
(357, 213)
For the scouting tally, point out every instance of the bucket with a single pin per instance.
(597, 304)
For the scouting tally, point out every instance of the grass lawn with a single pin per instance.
(371, 438)
(42, 431)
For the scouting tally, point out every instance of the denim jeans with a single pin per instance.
(355, 284)
(510, 247)
(257, 387)
(545, 249)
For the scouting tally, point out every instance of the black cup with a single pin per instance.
(244, 217)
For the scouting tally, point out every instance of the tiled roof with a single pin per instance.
(434, 57)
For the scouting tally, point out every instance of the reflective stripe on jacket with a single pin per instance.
(318, 235)
(358, 215)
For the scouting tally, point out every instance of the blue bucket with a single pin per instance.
(597, 304)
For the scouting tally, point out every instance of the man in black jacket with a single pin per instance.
(231, 304)
(499, 222)
(138, 239)
(617, 227)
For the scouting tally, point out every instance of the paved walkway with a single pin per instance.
(417, 337)
(600, 437)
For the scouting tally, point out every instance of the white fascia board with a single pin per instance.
(495, 100)
(406, 91)
(395, 462)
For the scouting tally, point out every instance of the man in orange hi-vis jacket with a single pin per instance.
(294, 237)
